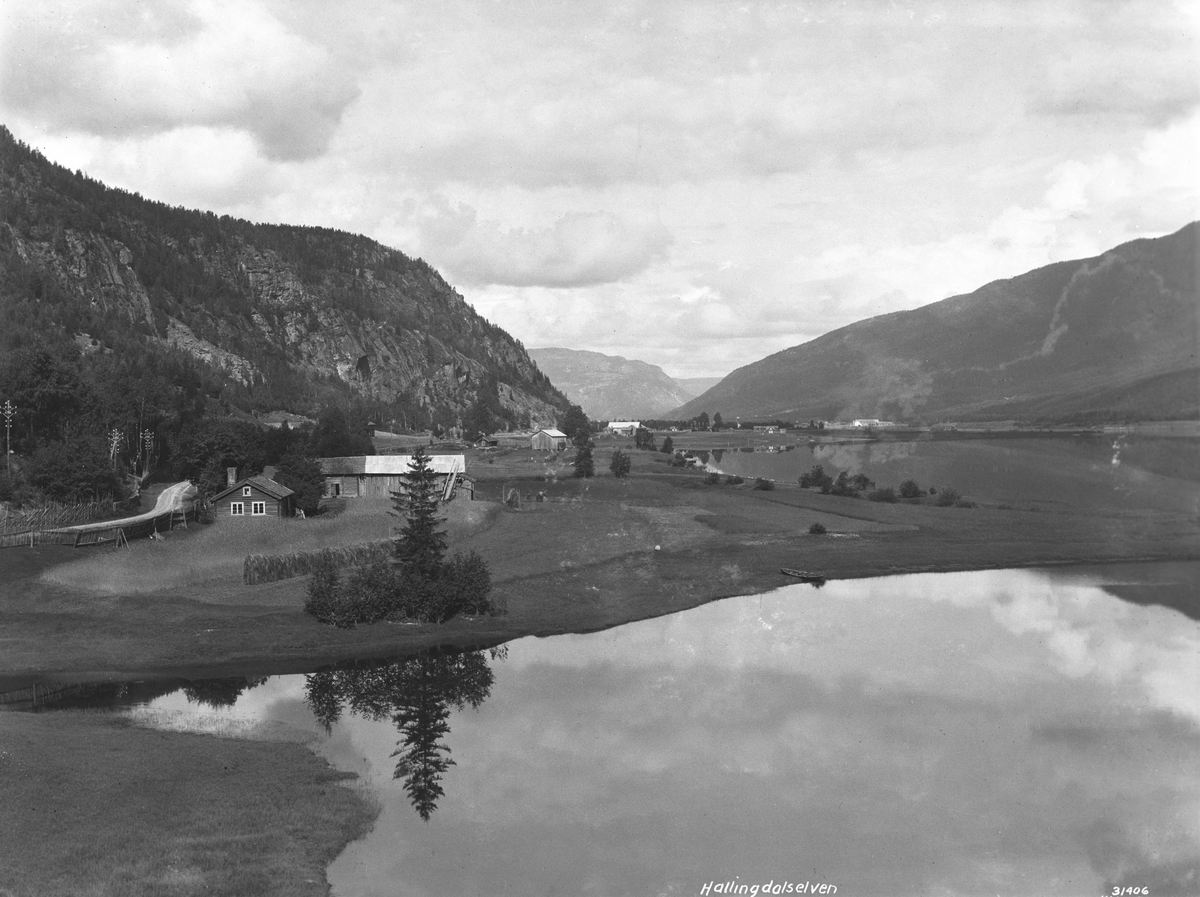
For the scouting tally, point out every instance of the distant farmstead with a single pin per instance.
(255, 497)
(548, 441)
(378, 476)
(624, 427)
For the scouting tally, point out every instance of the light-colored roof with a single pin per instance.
(552, 433)
(623, 424)
(390, 465)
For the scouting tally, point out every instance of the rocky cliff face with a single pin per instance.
(283, 312)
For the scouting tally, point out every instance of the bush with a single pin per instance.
(817, 477)
(885, 495)
(763, 485)
(620, 464)
(712, 478)
(469, 579)
(909, 489)
(817, 529)
(947, 497)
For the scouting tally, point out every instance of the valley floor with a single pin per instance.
(595, 553)
(230, 814)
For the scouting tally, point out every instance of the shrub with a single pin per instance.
(817, 477)
(817, 529)
(620, 464)
(887, 494)
(712, 478)
(763, 485)
(732, 480)
(947, 497)
(469, 579)
(909, 489)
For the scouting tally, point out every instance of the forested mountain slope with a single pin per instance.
(1108, 338)
(264, 316)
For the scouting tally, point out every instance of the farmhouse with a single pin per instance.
(624, 427)
(255, 497)
(548, 440)
(378, 476)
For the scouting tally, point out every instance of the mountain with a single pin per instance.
(609, 387)
(695, 386)
(274, 316)
(1113, 337)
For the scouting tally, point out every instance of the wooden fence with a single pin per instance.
(99, 534)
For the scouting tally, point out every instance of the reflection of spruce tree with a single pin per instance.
(422, 756)
(416, 694)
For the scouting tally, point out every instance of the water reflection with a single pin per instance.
(416, 695)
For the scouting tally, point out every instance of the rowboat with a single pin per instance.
(803, 575)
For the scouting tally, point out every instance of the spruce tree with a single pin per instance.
(421, 547)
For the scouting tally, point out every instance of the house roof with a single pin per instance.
(552, 433)
(263, 484)
(389, 465)
(624, 424)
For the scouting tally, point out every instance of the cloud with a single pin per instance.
(578, 249)
(119, 72)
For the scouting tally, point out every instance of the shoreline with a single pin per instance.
(595, 554)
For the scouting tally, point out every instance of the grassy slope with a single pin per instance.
(94, 806)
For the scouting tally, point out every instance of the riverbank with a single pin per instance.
(593, 554)
(96, 805)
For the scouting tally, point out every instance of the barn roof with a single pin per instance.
(263, 484)
(389, 465)
(552, 433)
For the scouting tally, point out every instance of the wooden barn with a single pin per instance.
(548, 440)
(255, 497)
(378, 476)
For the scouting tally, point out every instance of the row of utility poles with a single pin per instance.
(115, 438)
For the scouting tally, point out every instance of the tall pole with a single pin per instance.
(148, 442)
(8, 416)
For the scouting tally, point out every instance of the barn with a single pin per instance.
(548, 440)
(255, 497)
(378, 476)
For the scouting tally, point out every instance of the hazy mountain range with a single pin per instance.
(1113, 337)
(609, 387)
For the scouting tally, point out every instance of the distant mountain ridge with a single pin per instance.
(286, 316)
(609, 387)
(1115, 337)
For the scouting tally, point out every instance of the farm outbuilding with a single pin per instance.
(255, 497)
(378, 476)
(548, 440)
(624, 427)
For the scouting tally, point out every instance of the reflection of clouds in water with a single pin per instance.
(974, 733)
(853, 458)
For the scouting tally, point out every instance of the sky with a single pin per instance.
(693, 184)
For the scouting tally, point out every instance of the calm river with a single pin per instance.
(1005, 732)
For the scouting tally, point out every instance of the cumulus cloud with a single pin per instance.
(110, 70)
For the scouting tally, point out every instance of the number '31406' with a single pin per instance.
(1126, 892)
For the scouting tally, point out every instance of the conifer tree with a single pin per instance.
(421, 547)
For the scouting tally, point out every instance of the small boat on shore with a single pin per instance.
(803, 575)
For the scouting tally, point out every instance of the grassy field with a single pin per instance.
(94, 807)
(594, 553)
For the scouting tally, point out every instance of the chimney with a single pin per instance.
(230, 476)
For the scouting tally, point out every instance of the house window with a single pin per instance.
(246, 491)
(258, 508)
(237, 508)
